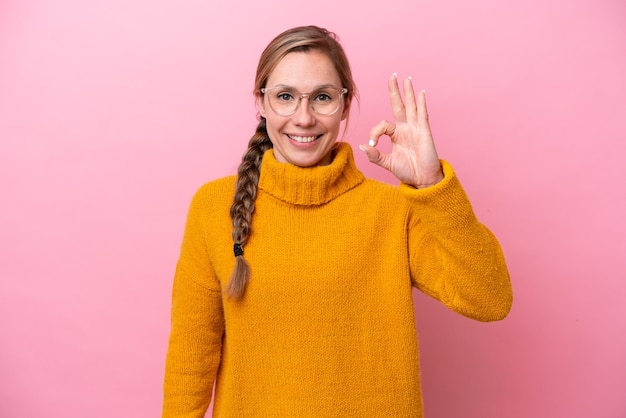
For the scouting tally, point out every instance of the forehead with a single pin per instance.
(304, 71)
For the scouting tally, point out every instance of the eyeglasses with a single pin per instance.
(324, 101)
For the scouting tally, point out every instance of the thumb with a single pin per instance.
(373, 155)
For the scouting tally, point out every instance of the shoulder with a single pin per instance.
(379, 186)
(381, 189)
(376, 193)
(215, 193)
(218, 187)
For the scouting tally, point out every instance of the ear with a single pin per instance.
(346, 111)
(260, 104)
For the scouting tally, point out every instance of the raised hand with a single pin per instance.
(413, 158)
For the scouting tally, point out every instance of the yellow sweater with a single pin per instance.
(326, 327)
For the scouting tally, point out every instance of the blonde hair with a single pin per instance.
(299, 39)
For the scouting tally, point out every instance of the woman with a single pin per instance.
(316, 319)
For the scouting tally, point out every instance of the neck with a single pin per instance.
(310, 185)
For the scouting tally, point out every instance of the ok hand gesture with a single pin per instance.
(413, 158)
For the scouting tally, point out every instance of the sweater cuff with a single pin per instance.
(444, 202)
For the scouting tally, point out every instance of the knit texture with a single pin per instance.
(326, 327)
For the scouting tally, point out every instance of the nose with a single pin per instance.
(304, 115)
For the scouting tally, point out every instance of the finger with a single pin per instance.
(382, 128)
(397, 106)
(409, 100)
(375, 156)
(422, 110)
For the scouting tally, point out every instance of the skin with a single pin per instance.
(303, 71)
(413, 158)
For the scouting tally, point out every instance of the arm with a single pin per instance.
(453, 257)
(194, 349)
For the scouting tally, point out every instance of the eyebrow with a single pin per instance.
(320, 87)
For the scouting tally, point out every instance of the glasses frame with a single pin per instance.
(342, 91)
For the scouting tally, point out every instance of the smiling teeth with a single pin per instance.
(303, 139)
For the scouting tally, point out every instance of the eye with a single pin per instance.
(284, 96)
(323, 97)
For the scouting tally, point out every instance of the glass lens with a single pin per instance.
(324, 101)
(284, 102)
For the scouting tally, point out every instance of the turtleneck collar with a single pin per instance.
(310, 185)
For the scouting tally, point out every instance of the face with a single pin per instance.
(305, 138)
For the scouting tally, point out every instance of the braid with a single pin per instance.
(299, 39)
(243, 206)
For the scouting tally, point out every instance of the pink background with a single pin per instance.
(113, 113)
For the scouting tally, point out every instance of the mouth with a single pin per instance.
(304, 139)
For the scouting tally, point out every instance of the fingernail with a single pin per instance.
(372, 143)
(362, 148)
(410, 78)
(395, 75)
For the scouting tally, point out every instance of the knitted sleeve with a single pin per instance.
(197, 325)
(452, 256)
